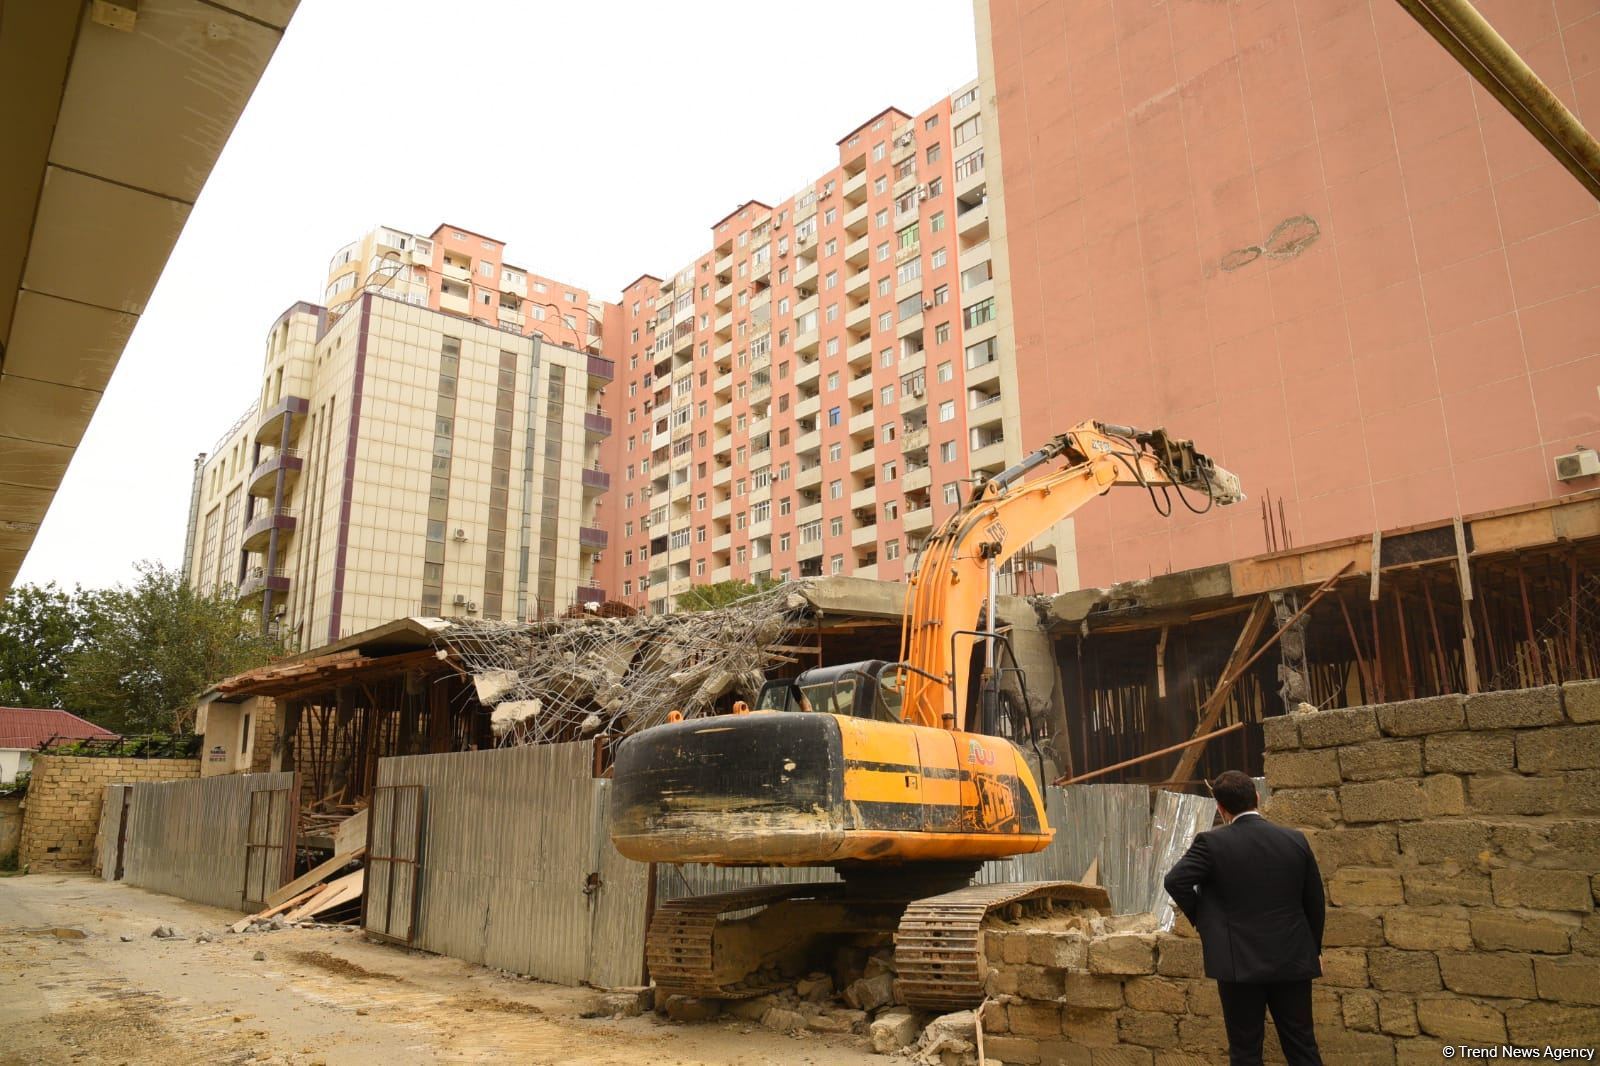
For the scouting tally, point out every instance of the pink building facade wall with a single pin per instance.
(1297, 232)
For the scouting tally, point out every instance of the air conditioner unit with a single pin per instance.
(599, 556)
(460, 533)
(922, 192)
(927, 305)
(471, 606)
(1585, 462)
(460, 600)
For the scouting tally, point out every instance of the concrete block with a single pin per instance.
(1094, 1028)
(1381, 760)
(1418, 930)
(1515, 709)
(1335, 728)
(1444, 841)
(1408, 799)
(1568, 980)
(1481, 973)
(1304, 807)
(1371, 845)
(1062, 951)
(1580, 792)
(1412, 718)
(1499, 930)
(1154, 994)
(1204, 1000)
(1039, 982)
(1513, 794)
(1014, 947)
(1034, 1019)
(1123, 953)
(1344, 967)
(1547, 1024)
(1581, 700)
(1179, 957)
(692, 1009)
(892, 1030)
(1543, 890)
(1465, 1021)
(1572, 748)
(1394, 970)
(1356, 886)
(1397, 1015)
(1447, 884)
(1202, 1033)
(783, 1020)
(1302, 769)
(1349, 928)
(1147, 1029)
(1009, 1049)
(1280, 733)
(1090, 990)
(1359, 1011)
(1469, 753)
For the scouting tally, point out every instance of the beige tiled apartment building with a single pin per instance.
(402, 460)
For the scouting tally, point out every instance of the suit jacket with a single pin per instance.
(1254, 893)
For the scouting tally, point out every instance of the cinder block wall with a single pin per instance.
(62, 812)
(1459, 840)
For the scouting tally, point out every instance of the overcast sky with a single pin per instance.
(598, 140)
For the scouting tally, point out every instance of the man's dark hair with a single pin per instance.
(1235, 792)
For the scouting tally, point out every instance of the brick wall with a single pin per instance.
(62, 812)
(1459, 840)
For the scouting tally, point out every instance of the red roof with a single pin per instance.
(27, 727)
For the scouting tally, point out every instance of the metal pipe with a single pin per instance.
(1484, 54)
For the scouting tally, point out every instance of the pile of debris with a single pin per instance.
(572, 678)
(326, 892)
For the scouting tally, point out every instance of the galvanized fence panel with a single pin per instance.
(187, 838)
(517, 869)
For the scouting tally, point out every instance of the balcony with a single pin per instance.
(919, 519)
(858, 319)
(595, 481)
(915, 440)
(809, 477)
(984, 373)
(856, 284)
(596, 425)
(973, 223)
(806, 343)
(270, 429)
(591, 540)
(807, 372)
(260, 580)
(916, 479)
(855, 253)
(863, 460)
(855, 221)
(859, 353)
(864, 499)
(983, 409)
(990, 456)
(862, 423)
(859, 387)
(808, 406)
(603, 369)
(863, 536)
(258, 531)
(264, 478)
(855, 187)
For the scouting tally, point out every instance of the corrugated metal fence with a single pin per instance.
(516, 865)
(108, 840)
(188, 838)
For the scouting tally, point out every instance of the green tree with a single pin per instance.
(151, 649)
(720, 594)
(40, 627)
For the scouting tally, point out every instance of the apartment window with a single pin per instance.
(952, 492)
(783, 275)
(975, 275)
(699, 534)
(829, 217)
(627, 527)
(941, 295)
(936, 223)
(931, 122)
(835, 489)
(836, 564)
(907, 236)
(982, 353)
(889, 471)
(885, 287)
(836, 527)
(700, 502)
(881, 219)
(886, 394)
(539, 286)
(627, 588)
(979, 313)
(783, 542)
(935, 151)
(878, 152)
(947, 411)
(833, 416)
(886, 357)
(937, 259)
(906, 169)
(941, 333)
(832, 314)
(935, 188)
(811, 532)
(783, 338)
(946, 372)
(835, 451)
(969, 165)
(833, 346)
(966, 99)
(947, 451)
(906, 203)
(910, 307)
(880, 184)
(968, 130)
(883, 251)
(891, 549)
(891, 511)
(833, 381)
(699, 568)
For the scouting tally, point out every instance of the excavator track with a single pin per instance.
(938, 950)
(680, 945)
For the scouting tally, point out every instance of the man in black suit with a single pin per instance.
(1253, 891)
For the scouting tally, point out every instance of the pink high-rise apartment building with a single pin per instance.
(813, 393)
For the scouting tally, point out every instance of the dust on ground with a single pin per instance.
(319, 997)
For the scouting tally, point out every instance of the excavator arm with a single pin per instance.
(954, 581)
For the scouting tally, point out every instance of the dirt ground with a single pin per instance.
(72, 991)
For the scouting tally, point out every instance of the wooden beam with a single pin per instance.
(1212, 709)
(1190, 744)
(313, 876)
(1469, 653)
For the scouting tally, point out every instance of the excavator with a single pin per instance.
(904, 777)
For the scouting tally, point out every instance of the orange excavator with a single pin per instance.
(904, 777)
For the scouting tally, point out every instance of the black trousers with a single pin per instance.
(1244, 1012)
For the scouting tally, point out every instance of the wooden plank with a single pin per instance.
(333, 894)
(244, 923)
(314, 876)
(351, 833)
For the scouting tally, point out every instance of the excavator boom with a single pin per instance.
(953, 585)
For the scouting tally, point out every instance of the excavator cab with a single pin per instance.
(869, 689)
